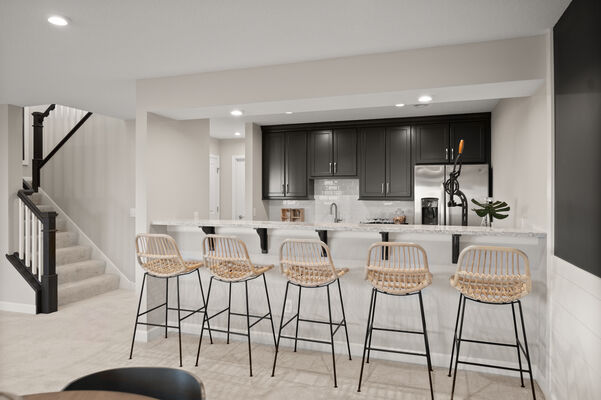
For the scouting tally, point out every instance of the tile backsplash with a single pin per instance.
(345, 193)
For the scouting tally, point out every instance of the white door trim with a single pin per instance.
(235, 158)
(215, 157)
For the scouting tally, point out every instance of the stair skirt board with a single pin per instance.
(71, 254)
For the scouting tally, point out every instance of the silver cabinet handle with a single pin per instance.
(283, 189)
(452, 153)
(287, 188)
(387, 187)
(382, 188)
(331, 169)
(446, 153)
(335, 167)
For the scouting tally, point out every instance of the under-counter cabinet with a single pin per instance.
(333, 153)
(285, 165)
(386, 169)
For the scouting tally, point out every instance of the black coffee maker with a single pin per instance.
(429, 211)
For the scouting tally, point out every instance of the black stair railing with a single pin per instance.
(36, 258)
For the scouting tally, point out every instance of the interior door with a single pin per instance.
(214, 186)
(373, 163)
(398, 162)
(345, 152)
(238, 187)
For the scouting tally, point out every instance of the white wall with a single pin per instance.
(15, 293)
(519, 150)
(228, 148)
(177, 168)
(256, 208)
(91, 178)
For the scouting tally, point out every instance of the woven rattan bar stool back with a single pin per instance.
(308, 264)
(397, 269)
(228, 261)
(159, 256)
(492, 275)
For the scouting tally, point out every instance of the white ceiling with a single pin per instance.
(93, 63)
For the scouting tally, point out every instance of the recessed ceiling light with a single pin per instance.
(237, 133)
(236, 113)
(288, 112)
(424, 99)
(58, 20)
(400, 105)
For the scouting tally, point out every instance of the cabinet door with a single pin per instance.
(345, 152)
(322, 163)
(372, 174)
(475, 135)
(296, 164)
(432, 143)
(273, 165)
(399, 171)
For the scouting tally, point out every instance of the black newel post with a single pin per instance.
(49, 300)
(38, 149)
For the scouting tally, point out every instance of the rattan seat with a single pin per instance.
(159, 256)
(492, 275)
(396, 269)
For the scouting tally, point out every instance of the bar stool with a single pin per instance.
(160, 258)
(308, 264)
(228, 261)
(396, 269)
(492, 275)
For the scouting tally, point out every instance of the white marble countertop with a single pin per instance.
(342, 226)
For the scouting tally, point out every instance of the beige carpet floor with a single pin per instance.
(43, 353)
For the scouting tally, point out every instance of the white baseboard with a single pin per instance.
(17, 307)
(124, 283)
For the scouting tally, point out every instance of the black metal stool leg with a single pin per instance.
(373, 317)
(250, 359)
(458, 347)
(371, 302)
(348, 343)
(332, 335)
(527, 350)
(269, 308)
(229, 308)
(455, 333)
(204, 303)
(133, 339)
(426, 344)
(277, 344)
(297, 317)
(517, 342)
(179, 324)
(166, 305)
(205, 318)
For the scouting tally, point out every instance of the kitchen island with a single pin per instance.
(349, 244)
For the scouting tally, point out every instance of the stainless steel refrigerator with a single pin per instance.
(429, 180)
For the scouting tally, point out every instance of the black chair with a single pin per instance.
(158, 383)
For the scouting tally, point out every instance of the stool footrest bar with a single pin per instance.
(152, 309)
(397, 330)
(410, 353)
(492, 366)
(305, 339)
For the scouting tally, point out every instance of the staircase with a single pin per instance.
(79, 275)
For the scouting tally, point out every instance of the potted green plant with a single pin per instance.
(491, 210)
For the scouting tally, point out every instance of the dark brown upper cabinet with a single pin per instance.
(432, 143)
(285, 165)
(475, 135)
(333, 152)
(386, 168)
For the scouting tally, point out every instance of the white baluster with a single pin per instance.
(27, 237)
(21, 230)
(34, 244)
(40, 242)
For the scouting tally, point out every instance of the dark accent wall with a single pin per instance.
(577, 62)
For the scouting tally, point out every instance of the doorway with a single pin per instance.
(214, 186)
(238, 189)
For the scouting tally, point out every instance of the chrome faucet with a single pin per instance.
(335, 206)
